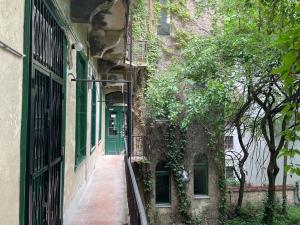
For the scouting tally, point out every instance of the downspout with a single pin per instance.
(298, 192)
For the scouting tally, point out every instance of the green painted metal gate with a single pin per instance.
(45, 148)
(114, 129)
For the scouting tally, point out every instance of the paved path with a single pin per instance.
(105, 200)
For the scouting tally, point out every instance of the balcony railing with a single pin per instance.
(137, 213)
(139, 53)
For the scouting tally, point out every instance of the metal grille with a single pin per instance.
(48, 38)
(45, 130)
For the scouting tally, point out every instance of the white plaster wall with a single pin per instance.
(11, 74)
(257, 163)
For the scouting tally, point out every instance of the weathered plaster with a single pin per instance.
(11, 77)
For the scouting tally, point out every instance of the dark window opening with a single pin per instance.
(229, 172)
(163, 27)
(201, 175)
(228, 142)
(162, 185)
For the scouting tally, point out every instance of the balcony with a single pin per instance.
(139, 53)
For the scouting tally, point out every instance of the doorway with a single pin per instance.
(115, 130)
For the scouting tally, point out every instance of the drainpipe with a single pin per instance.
(298, 191)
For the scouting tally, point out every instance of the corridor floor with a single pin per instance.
(105, 199)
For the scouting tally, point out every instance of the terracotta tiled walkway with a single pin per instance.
(105, 201)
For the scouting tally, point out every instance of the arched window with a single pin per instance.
(162, 183)
(200, 175)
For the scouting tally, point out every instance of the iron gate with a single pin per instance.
(45, 118)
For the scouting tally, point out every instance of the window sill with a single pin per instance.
(201, 197)
(163, 205)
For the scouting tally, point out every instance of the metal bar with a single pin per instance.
(129, 119)
(140, 218)
(10, 49)
(142, 214)
(108, 81)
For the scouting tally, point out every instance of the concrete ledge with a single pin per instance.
(163, 205)
(201, 197)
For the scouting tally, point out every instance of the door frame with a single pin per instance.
(26, 89)
(119, 110)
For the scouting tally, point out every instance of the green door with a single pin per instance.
(114, 130)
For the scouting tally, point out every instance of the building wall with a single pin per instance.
(154, 146)
(76, 179)
(257, 163)
(203, 206)
(11, 76)
(256, 196)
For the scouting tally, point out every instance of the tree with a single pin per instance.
(247, 74)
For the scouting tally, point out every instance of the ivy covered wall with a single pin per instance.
(168, 140)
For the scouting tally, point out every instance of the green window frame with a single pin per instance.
(93, 115)
(162, 184)
(201, 175)
(81, 109)
(100, 113)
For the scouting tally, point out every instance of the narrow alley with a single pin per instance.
(104, 201)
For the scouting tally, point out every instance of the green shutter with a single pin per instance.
(93, 117)
(81, 109)
(100, 114)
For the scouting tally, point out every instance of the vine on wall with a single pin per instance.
(163, 94)
(144, 175)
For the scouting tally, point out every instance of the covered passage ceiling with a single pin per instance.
(108, 26)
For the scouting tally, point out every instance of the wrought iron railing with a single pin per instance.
(137, 213)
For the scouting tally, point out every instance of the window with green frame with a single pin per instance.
(100, 112)
(81, 109)
(93, 116)
(162, 184)
(200, 175)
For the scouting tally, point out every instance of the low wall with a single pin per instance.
(256, 194)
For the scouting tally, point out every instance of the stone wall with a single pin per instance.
(257, 194)
(154, 144)
(155, 148)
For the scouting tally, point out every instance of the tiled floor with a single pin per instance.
(105, 201)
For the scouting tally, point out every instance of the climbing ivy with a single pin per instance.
(145, 176)
(176, 145)
(174, 156)
(142, 30)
